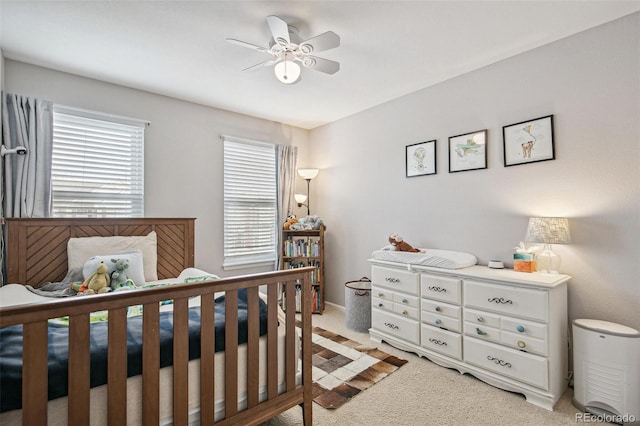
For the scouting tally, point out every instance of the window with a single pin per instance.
(249, 202)
(98, 165)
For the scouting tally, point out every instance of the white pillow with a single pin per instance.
(135, 271)
(79, 250)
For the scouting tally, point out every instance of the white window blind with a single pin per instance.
(98, 165)
(249, 202)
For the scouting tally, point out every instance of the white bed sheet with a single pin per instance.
(17, 294)
(427, 257)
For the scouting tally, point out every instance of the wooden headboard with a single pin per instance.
(37, 248)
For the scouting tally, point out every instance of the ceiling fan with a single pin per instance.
(289, 51)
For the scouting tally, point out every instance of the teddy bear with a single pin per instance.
(290, 221)
(119, 276)
(400, 245)
(98, 282)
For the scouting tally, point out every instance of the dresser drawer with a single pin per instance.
(406, 311)
(440, 288)
(382, 293)
(386, 305)
(514, 301)
(442, 341)
(442, 321)
(525, 328)
(403, 328)
(482, 318)
(395, 279)
(482, 332)
(520, 366)
(440, 308)
(524, 343)
(406, 300)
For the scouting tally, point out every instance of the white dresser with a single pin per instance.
(506, 328)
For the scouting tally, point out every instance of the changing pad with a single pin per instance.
(428, 257)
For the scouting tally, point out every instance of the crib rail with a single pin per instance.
(34, 319)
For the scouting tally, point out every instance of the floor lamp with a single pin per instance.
(306, 174)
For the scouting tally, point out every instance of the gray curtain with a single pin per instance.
(27, 122)
(286, 159)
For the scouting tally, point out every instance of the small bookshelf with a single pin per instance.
(302, 248)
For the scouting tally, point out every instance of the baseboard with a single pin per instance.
(333, 305)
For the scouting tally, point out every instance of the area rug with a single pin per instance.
(343, 368)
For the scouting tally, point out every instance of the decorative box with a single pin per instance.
(524, 262)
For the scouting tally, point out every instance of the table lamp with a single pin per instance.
(548, 230)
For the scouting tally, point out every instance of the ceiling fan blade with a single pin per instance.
(249, 45)
(320, 64)
(279, 30)
(324, 41)
(260, 65)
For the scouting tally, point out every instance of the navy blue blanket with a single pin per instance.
(11, 349)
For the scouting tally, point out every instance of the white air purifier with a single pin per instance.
(606, 365)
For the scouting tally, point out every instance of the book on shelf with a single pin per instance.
(297, 246)
(315, 274)
(316, 303)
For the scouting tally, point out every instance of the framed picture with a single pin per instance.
(528, 141)
(468, 151)
(421, 159)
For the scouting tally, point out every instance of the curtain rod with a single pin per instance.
(104, 114)
(250, 141)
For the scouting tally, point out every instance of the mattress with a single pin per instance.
(15, 294)
(427, 257)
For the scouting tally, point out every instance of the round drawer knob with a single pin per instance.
(405, 301)
(438, 309)
(480, 319)
(380, 305)
(480, 332)
(438, 321)
(520, 329)
(405, 313)
(521, 344)
(380, 294)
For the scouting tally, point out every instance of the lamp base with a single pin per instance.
(548, 260)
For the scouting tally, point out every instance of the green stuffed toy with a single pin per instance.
(119, 276)
(98, 282)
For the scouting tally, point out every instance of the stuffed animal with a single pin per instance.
(400, 245)
(119, 276)
(98, 282)
(77, 288)
(307, 222)
(290, 221)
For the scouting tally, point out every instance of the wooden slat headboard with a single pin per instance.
(37, 248)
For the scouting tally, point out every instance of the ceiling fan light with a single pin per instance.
(287, 71)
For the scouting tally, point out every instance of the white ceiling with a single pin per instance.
(388, 48)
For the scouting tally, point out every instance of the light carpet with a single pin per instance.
(423, 393)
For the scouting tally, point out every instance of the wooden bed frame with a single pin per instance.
(37, 248)
(35, 244)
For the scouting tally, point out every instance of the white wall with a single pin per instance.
(183, 152)
(589, 82)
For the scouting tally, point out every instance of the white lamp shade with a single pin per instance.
(308, 173)
(287, 71)
(300, 198)
(548, 230)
